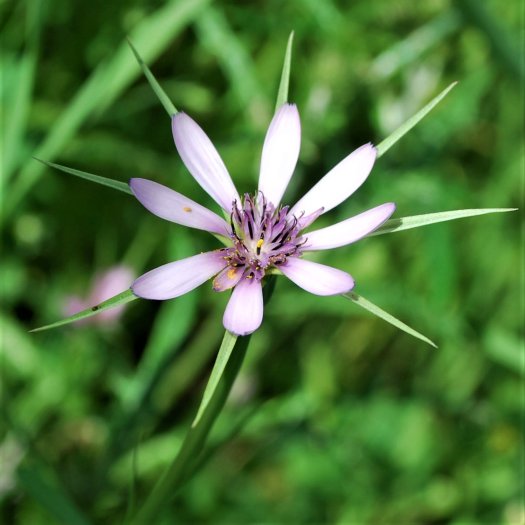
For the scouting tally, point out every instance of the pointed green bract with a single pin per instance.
(386, 144)
(416, 221)
(152, 34)
(153, 82)
(282, 94)
(227, 345)
(117, 300)
(115, 184)
(379, 312)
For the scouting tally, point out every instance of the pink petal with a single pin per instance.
(174, 207)
(339, 183)
(228, 278)
(280, 153)
(305, 220)
(317, 278)
(115, 280)
(202, 160)
(244, 312)
(179, 277)
(350, 230)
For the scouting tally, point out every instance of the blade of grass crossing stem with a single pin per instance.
(194, 441)
(117, 300)
(153, 82)
(115, 184)
(379, 312)
(152, 35)
(416, 221)
(386, 144)
(284, 85)
(227, 345)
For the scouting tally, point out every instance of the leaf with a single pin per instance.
(115, 184)
(117, 300)
(227, 345)
(161, 94)
(416, 221)
(379, 312)
(386, 144)
(282, 94)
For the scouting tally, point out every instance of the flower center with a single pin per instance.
(262, 237)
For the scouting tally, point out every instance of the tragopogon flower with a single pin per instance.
(262, 235)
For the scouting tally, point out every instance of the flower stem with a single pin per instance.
(193, 444)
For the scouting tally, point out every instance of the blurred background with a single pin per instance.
(336, 417)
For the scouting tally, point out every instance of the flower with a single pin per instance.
(107, 284)
(262, 236)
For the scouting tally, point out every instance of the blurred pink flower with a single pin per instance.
(106, 285)
(263, 235)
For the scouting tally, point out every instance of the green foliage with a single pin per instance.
(336, 417)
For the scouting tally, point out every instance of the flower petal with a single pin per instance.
(172, 206)
(339, 183)
(202, 160)
(350, 230)
(280, 153)
(179, 277)
(244, 312)
(228, 278)
(305, 220)
(317, 278)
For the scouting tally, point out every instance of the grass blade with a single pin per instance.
(117, 300)
(282, 94)
(227, 345)
(161, 94)
(115, 184)
(216, 35)
(386, 144)
(379, 312)
(106, 83)
(416, 221)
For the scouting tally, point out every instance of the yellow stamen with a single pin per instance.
(231, 273)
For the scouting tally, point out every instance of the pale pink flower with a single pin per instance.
(262, 235)
(106, 285)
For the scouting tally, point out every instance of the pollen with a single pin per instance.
(187, 209)
(231, 273)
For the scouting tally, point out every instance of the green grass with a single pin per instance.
(336, 417)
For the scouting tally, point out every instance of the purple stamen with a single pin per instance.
(262, 237)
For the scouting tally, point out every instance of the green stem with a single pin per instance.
(192, 448)
(194, 441)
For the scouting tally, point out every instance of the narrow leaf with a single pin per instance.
(282, 94)
(111, 77)
(416, 221)
(215, 33)
(386, 144)
(115, 184)
(372, 308)
(227, 345)
(117, 300)
(161, 94)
